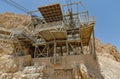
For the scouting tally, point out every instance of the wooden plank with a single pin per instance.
(60, 43)
(75, 42)
(59, 35)
(46, 35)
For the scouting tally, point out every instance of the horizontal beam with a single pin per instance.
(71, 4)
(76, 13)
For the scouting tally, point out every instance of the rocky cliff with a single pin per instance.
(11, 20)
(107, 50)
(108, 56)
(109, 60)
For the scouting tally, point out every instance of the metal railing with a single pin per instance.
(87, 19)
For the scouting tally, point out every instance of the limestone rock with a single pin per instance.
(8, 64)
(11, 20)
(30, 72)
(107, 50)
(108, 56)
(84, 72)
(33, 69)
(6, 48)
(6, 76)
(80, 72)
(17, 75)
(110, 68)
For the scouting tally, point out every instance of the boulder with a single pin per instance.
(80, 71)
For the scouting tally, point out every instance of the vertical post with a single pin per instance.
(61, 51)
(81, 42)
(35, 51)
(90, 47)
(54, 52)
(47, 50)
(79, 21)
(67, 47)
(94, 44)
(15, 49)
(82, 50)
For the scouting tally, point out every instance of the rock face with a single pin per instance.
(9, 69)
(8, 64)
(107, 54)
(108, 59)
(110, 69)
(11, 20)
(80, 72)
(6, 48)
(30, 72)
(107, 50)
(6, 76)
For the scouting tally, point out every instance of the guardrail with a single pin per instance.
(86, 19)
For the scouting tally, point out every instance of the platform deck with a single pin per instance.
(85, 34)
(53, 35)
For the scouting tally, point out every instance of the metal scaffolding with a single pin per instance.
(57, 34)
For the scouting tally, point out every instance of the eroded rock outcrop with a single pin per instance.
(8, 64)
(11, 20)
(108, 57)
(80, 72)
(107, 50)
(30, 72)
(6, 48)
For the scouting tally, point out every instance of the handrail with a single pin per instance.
(87, 20)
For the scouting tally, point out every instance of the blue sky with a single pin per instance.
(106, 12)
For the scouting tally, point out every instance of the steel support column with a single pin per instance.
(94, 45)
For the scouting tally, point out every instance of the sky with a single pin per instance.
(106, 12)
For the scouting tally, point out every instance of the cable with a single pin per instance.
(16, 5)
(19, 5)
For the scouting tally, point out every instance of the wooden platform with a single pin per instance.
(85, 34)
(53, 35)
(61, 37)
(51, 13)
